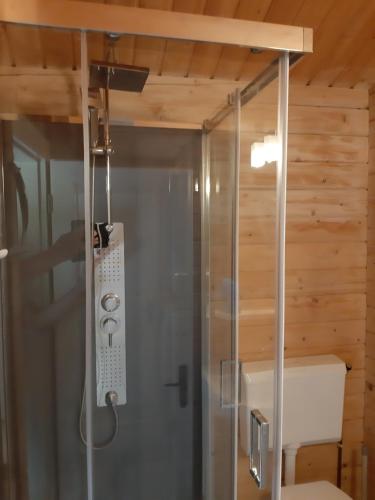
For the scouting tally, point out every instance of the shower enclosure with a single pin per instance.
(176, 193)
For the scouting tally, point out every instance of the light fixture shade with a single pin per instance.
(257, 155)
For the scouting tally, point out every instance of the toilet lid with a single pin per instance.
(311, 491)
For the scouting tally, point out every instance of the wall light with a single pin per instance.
(265, 152)
(272, 148)
(257, 157)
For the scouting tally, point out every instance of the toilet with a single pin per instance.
(312, 413)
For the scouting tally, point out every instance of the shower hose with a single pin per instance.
(111, 402)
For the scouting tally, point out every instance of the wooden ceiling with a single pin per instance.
(344, 43)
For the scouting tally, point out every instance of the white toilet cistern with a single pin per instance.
(313, 403)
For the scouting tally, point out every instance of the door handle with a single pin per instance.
(259, 433)
(182, 385)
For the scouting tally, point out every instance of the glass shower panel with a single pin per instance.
(221, 290)
(43, 289)
(155, 195)
(259, 297)
(43, 299)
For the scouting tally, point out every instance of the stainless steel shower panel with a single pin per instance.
(109, 265)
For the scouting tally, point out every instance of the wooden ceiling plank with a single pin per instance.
(360, 30)
(149, 52)
(6, 56)
(56, 45)
(366, 75)
(283, 11)
(313, 13)
(95, 46)
(232, 59)
(178, 54)
(310, 12)
(125, 49)
(156, 4)
(205, 56)
(351, 74)
(278, 12)
(177, 58)
(327, 37)
(26, 45)
(42, 48)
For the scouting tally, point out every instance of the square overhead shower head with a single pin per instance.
(119, 76)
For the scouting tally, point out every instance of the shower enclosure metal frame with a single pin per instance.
(292, 42)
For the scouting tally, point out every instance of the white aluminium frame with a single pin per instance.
(281, 187)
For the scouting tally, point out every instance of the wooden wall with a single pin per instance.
(326, 256)
(370, 336)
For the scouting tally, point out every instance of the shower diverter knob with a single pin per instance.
(110, 302)
(109, 325)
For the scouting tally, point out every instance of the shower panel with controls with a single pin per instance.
(110, 318)
(109, 249)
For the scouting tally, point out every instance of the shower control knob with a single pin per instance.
(110, 302)
(110, 325)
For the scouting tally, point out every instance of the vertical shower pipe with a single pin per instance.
(88, 265)
(281, 183)
(107, 145)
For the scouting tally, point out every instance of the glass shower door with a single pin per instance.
(244, 244)
(220, 304)
(262, 195)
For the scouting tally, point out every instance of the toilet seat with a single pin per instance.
(322, 490)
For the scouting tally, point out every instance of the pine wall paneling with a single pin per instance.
(326, 257)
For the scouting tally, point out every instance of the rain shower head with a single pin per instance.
(118, 76)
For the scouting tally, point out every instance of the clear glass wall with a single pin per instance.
(42, 308)
(155, 195)
(261, 271)
(220, 302)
